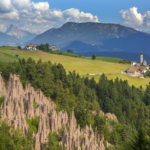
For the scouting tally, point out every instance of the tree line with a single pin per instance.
(131, 105)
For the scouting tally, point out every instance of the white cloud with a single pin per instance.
(73, 14)
(21, 4)
(41, 6)
(10, 16)
(133, 18)
(5, 6)
(27, 14)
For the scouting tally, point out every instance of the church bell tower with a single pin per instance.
(141, 57)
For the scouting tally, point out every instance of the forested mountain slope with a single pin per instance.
(49, 109)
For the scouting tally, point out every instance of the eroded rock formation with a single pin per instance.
(20, 104)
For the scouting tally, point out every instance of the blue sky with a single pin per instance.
(106, 10)
(43, 15)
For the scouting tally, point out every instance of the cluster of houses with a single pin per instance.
(35, 47)
(138, 68)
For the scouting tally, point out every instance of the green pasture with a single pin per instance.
(107, 59)
(80, 65)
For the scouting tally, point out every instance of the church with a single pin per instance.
(138, 68)
(141, 63)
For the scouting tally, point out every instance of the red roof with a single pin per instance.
(141, 68)
(132, 71)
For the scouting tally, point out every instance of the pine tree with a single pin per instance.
(147, 95)
(140, 141)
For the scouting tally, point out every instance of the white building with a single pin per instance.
(31, 47)
(53, 47)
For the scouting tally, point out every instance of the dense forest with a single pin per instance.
(131, 105)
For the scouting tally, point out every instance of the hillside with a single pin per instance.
(122, 55)
(18, 110)
(108, 59)
(95, 37)
(59, 110)
(82, 66)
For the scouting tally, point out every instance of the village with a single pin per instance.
(139, 68)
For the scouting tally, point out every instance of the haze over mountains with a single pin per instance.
(15, 35)
(83, 37)
(20, 33)
(6, 39)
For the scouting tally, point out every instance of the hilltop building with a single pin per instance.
(143, 62)
(133, 71)
(133, 63)
(141, 57)
(142, 69)
(53, 47)
(31, 46)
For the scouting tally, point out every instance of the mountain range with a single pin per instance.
(82, 38)
(20, 33)
(91, 36)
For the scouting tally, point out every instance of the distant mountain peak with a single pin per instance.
(12, 27)
(20, 33)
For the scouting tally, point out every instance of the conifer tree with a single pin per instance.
(140, 141)
(147, 95)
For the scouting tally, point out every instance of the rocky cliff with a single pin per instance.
(18, 105)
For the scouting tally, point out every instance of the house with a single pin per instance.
(31, 46)
(133, 71)
(53, 47)
(133, 63)
(142, 69)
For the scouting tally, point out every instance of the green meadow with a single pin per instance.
(80, 65)
(107, 59)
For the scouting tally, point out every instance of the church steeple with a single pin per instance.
(141, 57)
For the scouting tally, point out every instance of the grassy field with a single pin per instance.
(131, 80)
(107, 59)
(82, 66)
(64, 53)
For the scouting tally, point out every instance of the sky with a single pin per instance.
(42, 15)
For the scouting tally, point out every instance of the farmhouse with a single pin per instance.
(133, 71)
(53, 47)
(133, 63)
(142, 69)
(31, 46)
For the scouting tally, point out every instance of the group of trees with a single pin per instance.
(93, 56)
(44, 47)
(14, 139)
(70, 51)
(131, 105)
(124, 61)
